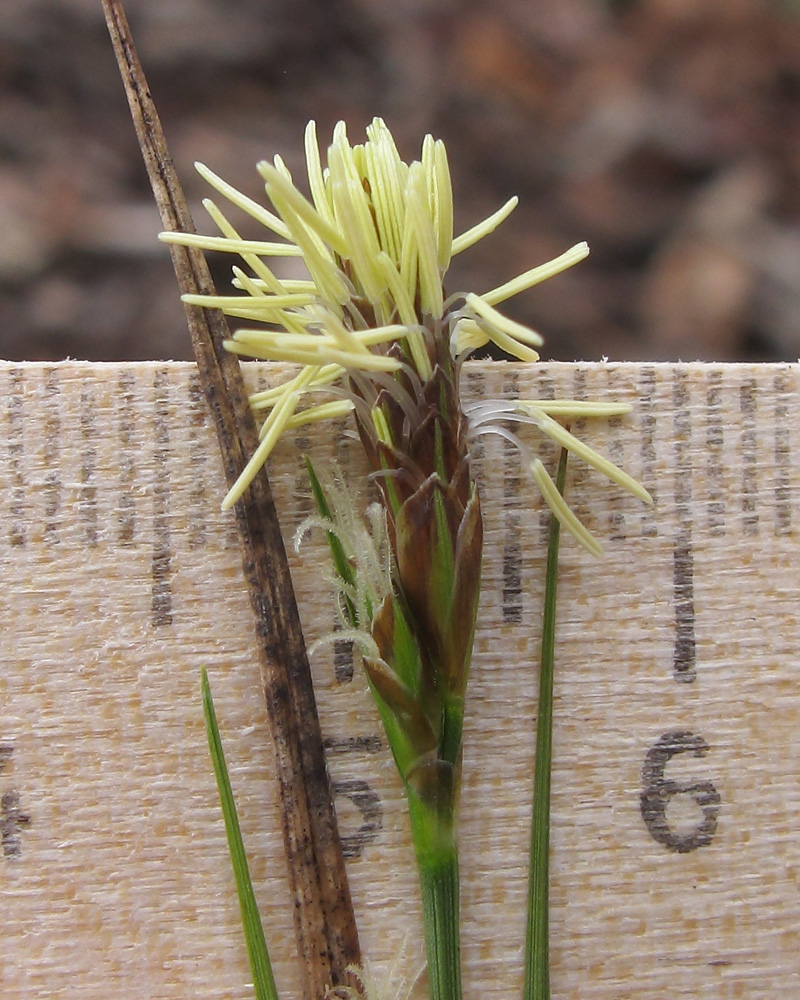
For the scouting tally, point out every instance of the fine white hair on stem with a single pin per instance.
(364, 538)
(394, 985)
(359, 637)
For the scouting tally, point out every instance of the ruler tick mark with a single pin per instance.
(512, 571)
(87, 496)
(11, 815)
(748, 408)
(682, 425)
(343, 669)
(683, 663)
(343, 665)
(616, 452)
(15, 439)
(126, 515)
(52, 437)
(715, 450)
(161, 571)
(647, 425)
(512, 551)
(11, 819)
(684, 656)
(368, 803)
(579, 474)
(198, 527)
(783, 505)
(353, 744)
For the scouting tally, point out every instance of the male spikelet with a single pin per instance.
(372, 326)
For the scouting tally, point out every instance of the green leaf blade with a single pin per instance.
(537, 942)
(260, 965)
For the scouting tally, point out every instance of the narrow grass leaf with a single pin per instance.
(260, 965)
(537, 944)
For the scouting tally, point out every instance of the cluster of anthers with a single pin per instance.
(376, 238)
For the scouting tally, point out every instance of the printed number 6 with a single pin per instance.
(658, 792)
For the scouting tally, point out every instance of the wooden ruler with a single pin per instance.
(676, 810)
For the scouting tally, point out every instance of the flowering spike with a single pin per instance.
(376, 237)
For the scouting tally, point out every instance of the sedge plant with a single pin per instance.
(374, 334)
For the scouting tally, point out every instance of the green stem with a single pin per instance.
(433, 834)
(537, 945)
(438, 877)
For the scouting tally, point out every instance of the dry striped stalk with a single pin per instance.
(323, 913)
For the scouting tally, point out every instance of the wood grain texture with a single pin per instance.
(121, 577)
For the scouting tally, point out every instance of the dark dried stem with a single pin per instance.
(324, 920)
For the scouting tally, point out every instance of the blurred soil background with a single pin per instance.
(664, 132)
